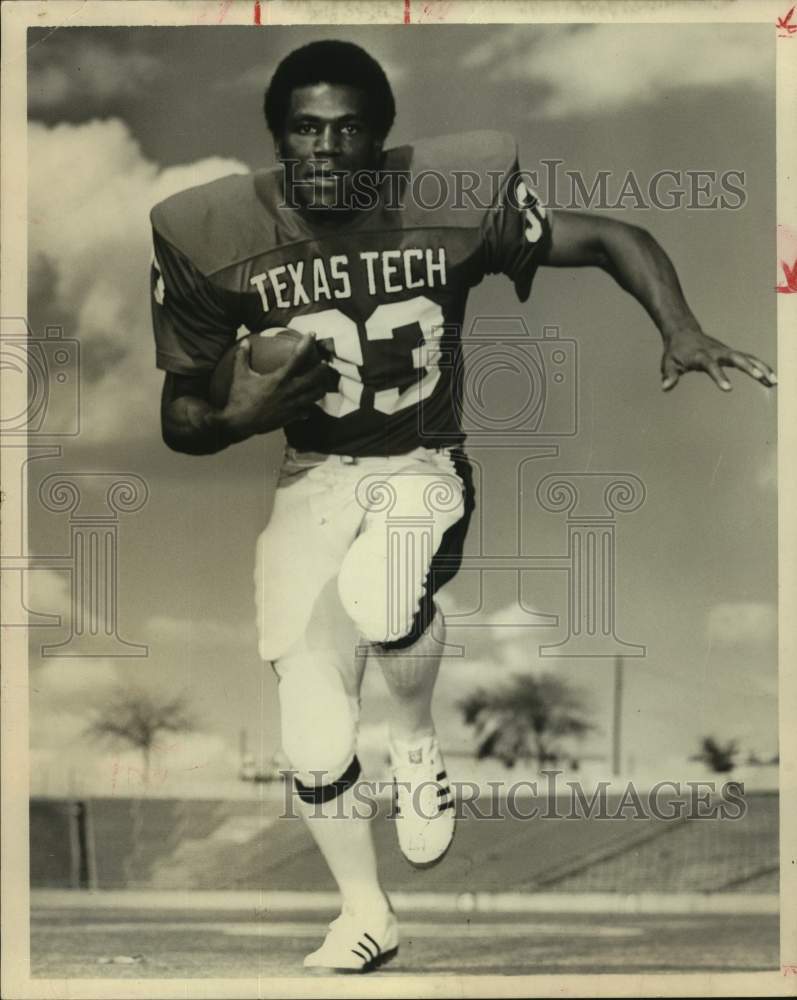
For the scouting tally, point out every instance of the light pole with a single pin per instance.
(617, 719)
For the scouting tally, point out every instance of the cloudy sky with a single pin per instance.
(120, 118)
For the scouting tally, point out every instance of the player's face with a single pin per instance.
(328, 138)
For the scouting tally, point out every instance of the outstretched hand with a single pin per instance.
(690, 350)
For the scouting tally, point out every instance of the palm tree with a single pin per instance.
(134, 717)
(720, 757)
(528, 717)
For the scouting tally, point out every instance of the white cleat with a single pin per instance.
(424, 804)
(357, 943)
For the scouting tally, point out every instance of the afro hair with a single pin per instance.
(332, 62)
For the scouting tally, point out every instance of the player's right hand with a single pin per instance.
(261, 403)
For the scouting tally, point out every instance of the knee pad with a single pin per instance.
(288, 582)
(319, 729)
(326, 791)
(388, 602)
(386, 581)
(363, 593)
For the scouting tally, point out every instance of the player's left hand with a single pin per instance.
(688, 349)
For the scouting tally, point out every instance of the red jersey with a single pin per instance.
(384, 292)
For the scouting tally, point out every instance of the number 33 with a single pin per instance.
(332, 324)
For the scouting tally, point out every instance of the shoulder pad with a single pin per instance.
(492, 156)
(216, 224)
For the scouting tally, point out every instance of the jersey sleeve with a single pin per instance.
(193, 326)
(517, 232)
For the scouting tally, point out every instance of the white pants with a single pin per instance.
(346, 555)
(374, 526)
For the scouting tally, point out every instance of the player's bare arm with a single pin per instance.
(640, 266)
(257, 404)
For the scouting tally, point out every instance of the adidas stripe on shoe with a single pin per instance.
(357, 943)
(423, 804)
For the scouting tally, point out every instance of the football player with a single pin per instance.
(339, 243)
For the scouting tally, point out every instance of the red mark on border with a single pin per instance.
(407, 11)
(257, 12)
(784, 24)
(790, 273)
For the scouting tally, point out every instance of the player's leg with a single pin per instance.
(319, 681)
(413, 515)
(406, 551)
(410, 673)
(305, 633)
(424, 805)
(319, 704)
(423, 800)
(387, 582)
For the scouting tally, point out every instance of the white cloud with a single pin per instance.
(603, 68)
(505, 636)
(49, 591)
(91, 190)
(88, 71)
(733, 623)
(64, 679)
(206, 632)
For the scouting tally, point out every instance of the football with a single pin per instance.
(270, 350)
